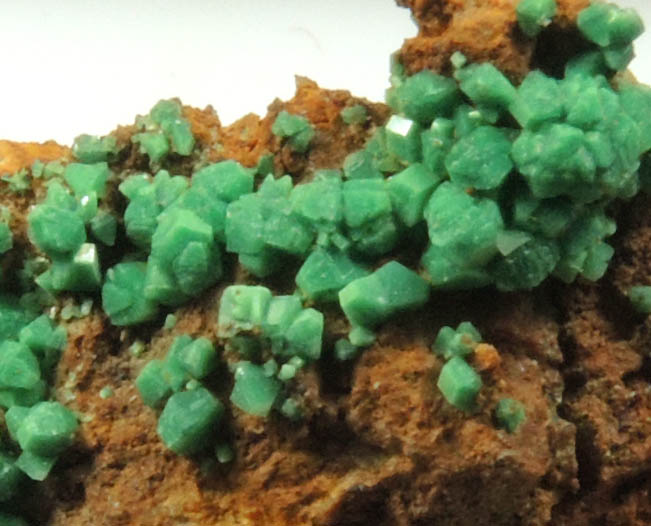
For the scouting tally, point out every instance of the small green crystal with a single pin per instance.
(104, 228)
(154, 144)
(87, 178)
(425, 96)
(460, 342)
(325, 273)
(93, 149)
(510, 414)
(151, 384)
(485, 85)
(534, 15)
(356, 114)
(254, 392)
(403, 139)
(640, 297)
(123, 296)
(19, 368)
(242, 308)
(296, 128)
(410, 190)
(188, 421)
(539, 100)
(56, 231)
(36, 467)
(459, 383)
(47, 430)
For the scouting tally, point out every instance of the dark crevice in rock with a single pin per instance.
(555, 46)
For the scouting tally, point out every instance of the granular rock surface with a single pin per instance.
(378, 443)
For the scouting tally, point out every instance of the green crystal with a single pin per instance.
(618, 57)
(198, 358)
(364, 201)
(106, 392)
(93, 149)
(425, 96)
(224, 453)
(151, 384)
(325, 273)
(45, 340)
(583, 250)
(446, 270)
(179, 132)
(539, 100)
(305, 334)
(409, 191)
(189, 420)
(510, 414)
(460, 342)
(19, 368)
(344, 350)
(48, 429)
(356, 114)
(486, 86)
(534, 15)
(360, 165)
(403, 139)
(436, 143)
(640, 297)
(459, 383)
(527, 266)
(481, 159)
(36, 467)
(104, 228)
(12, 317)
(296, 128)
(291, 409)
(123, 296)
(319, 202)
(18, 182)
(242, 308)
(556, 161)
(391, 289)
(56, 231)
(462, 226)
(550, 217)
(361, 337)
(227, 180)
(85, 179)
(254, 392)
(81, 273)
(607, 24)
(154, 144)
(282, 311)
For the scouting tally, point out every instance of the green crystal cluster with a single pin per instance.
(29, 350)
(258, 326)
(191, 413)
(640, 297)
(458, 381)
(295, 129)
(163, 131)
(67, 226)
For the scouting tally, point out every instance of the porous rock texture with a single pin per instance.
(378, 444)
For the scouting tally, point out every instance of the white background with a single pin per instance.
(84, 66)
